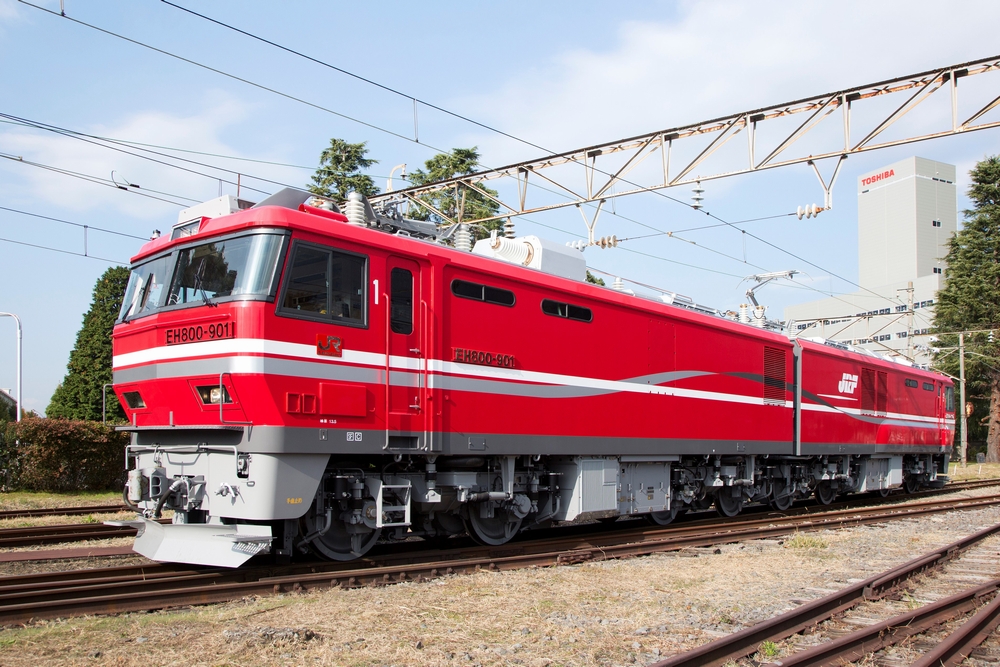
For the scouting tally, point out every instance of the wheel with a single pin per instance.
(341, 541)
(825, 493)
(447, 524)
(726, 504)
(702, 503)
(912, 484)
(781, 498)
(492, 531)
(665, 517)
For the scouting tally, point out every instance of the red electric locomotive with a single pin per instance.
(299, 379)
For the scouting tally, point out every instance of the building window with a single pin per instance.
(938, 269)
(936, 223)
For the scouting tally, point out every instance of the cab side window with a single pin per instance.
(326, 284)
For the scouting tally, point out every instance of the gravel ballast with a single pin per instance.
(622, 612)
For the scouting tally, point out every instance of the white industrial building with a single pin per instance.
(906, 215)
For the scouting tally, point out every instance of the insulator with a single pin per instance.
(810, 211)
(607, 242)
(618, 285)
(354, 209)
(516, 252)
(508, 229)
(463, 238)
(744, 313)
(698, 192)
(578, 245)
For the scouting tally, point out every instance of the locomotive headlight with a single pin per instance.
(214, 395)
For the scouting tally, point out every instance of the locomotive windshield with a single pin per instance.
(241, 267)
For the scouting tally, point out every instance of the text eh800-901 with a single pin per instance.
(483, 358)
(198, 333)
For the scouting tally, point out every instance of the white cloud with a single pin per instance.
(719, 58)
(201, 131)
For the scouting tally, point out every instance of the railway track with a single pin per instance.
(66, 533)
(62, 511)
(118, 589)
(821, 632)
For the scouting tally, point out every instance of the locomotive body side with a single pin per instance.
(296, 383)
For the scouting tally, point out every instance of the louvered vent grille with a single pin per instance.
(867, 390)
(882, 394)
(774, 376)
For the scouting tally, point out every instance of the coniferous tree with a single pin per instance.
(970, 301)
(339, 171)
(89, 368)
(474, 205)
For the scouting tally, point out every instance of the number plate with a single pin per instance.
(198, 333)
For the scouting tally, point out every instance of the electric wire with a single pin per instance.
(99, 181)
(74, 224)
(232, 76)
(78, 136)
(370, 125)
(65, 252)
(75, 134)
(414, 140)
(357, 76)
(130, 142)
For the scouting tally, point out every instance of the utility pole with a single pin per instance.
(909, 324)
(964, 443)
(17, 321)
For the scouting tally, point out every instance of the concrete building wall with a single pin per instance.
(906, 214)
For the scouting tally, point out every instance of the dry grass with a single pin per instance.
(22, 500)
(604, 613)
(973, 470)
(63, 519)
(805, 541)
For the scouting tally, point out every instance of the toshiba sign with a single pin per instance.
(869, 180)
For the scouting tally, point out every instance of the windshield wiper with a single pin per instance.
(125, 319)
(198, 280)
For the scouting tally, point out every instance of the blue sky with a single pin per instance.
(560, 74)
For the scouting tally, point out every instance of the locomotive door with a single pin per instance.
(404, 392)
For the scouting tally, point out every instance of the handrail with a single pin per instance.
(104, 401)
(388, 314)
(222, 404)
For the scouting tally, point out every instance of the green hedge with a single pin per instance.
(62, 455)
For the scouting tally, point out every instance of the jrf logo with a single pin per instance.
(848, 384)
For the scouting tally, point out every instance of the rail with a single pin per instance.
(67, 593)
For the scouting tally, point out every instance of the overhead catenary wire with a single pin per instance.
(370, 125)
(234, 77)
(65, 252)
(176, 149)
(414, 140)
(74, 224)
(80, 137)
(99, 181)
(487, 127)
